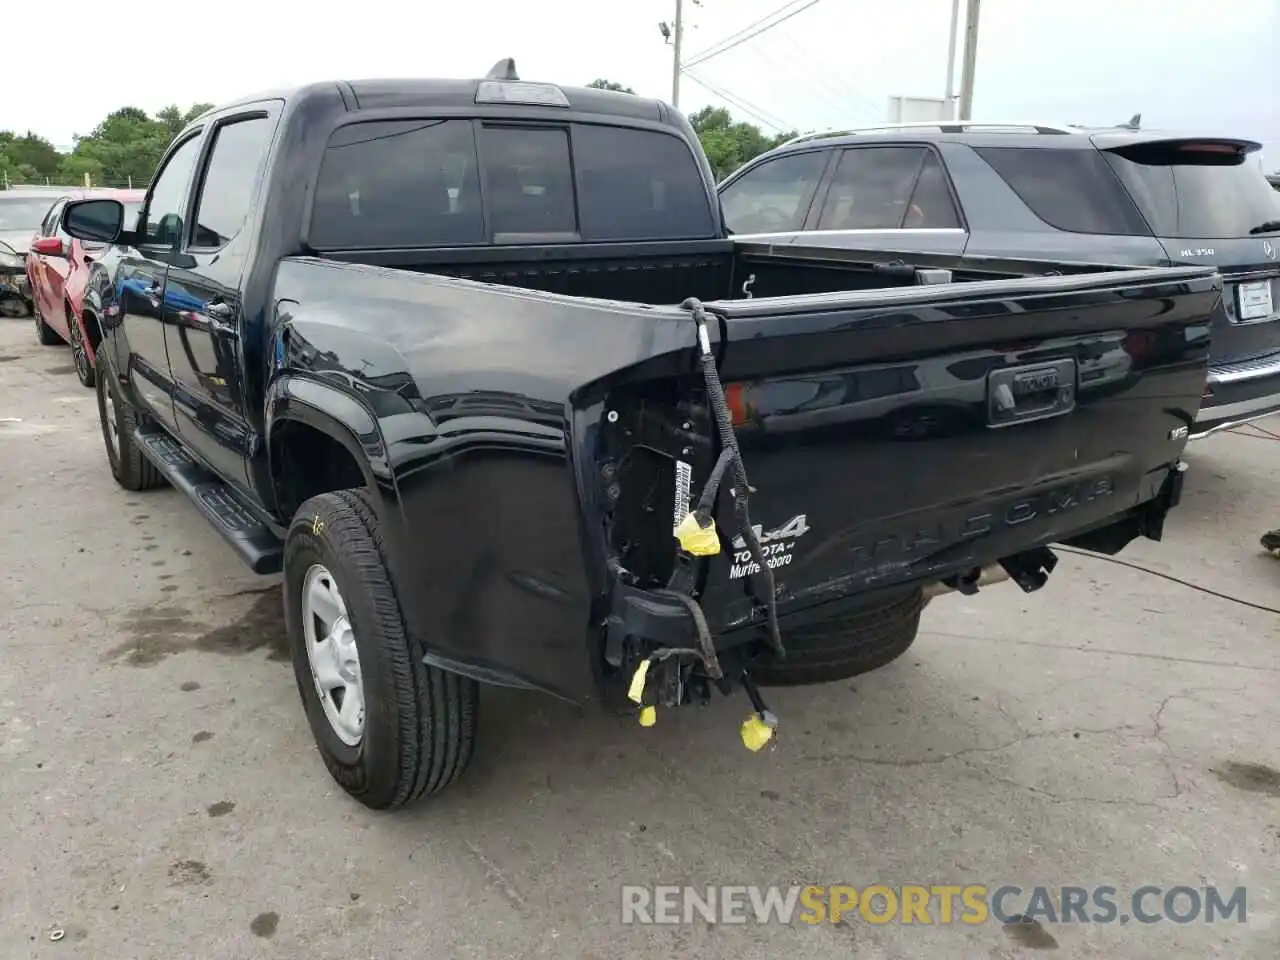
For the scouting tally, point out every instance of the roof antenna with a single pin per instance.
(504, 69)
(1135, 122)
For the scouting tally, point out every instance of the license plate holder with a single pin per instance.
(1254, 300)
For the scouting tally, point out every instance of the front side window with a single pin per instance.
(162, 225)
(773, 197)
(231, 180)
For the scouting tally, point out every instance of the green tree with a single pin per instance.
(175, 120)
(126, 146)
(609, 85)
(729, 143)
(26, 159)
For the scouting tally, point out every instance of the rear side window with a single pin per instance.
(1186, 193)
(1072, 190)
(398, 183)
(887, 188)
(639, 185)
(773, 197)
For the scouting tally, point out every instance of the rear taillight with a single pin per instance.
(735, 395)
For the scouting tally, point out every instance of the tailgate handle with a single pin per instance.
(1030, 392)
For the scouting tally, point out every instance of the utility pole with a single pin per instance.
(970, 59)
(950, 97)
(675, 54)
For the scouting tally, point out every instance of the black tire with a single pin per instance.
(420, 721)
(79, 355)
(47, 336)
(129, 466)
(844, 646)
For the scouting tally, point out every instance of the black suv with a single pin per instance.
(1027, 193)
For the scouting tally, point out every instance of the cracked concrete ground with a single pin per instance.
(162, 797)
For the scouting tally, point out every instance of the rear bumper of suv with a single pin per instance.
(1239, 392)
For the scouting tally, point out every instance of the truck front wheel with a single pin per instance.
(119, 419)
(389, 727)
(845, 646)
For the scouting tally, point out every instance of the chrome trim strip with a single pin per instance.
(1225, 425)
(1240, 408)
(855, 233)
(1257, 368)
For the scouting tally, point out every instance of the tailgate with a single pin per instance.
(904, 435)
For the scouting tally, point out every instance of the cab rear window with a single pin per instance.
(432, 183)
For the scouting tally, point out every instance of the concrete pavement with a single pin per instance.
(162, 797)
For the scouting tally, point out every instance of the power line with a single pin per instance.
(841, 85)
(817, 90)
(750, 31)
(759, 113)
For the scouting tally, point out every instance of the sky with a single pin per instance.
(1184, 64)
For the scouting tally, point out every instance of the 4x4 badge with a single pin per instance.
(1269, 249)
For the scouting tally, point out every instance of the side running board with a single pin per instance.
(252, 539)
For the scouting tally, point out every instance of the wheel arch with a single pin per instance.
(319, 440)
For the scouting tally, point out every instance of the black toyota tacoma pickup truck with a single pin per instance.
(475, 364)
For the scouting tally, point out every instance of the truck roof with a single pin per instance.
(380, 94)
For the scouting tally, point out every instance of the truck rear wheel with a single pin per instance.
(845, 646)
(389, 727)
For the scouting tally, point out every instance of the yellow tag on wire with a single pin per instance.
(636, 690)
(696, 539)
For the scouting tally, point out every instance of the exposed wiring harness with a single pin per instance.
(730, 459)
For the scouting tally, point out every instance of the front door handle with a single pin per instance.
(153, 293)
(221, 316)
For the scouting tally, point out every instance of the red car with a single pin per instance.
(57, 268)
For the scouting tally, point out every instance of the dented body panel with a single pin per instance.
(531, 421)
(536, 443)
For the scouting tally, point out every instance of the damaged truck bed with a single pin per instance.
(482, 375)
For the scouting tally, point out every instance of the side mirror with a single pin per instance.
(49, 247)
(100, 221)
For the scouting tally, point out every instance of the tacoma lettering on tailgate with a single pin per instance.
(899, 550)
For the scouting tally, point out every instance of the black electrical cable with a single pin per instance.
(741, 488)
(1171, 578)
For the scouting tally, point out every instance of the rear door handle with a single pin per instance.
(153, 293)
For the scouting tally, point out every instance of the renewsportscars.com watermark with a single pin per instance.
(939, 904)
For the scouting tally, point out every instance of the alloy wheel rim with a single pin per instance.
(78, 355)
(332, 654)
